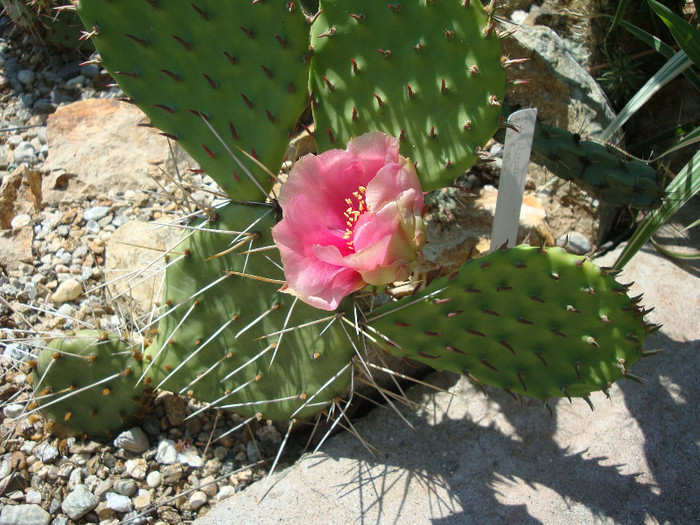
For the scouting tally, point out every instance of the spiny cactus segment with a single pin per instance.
(89, 382)
(609, 173)
(221, 75)
(214, 75)
(430, 73)
(536, 322)
(233, 340)
(44, 20)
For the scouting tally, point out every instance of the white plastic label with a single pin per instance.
(511, 186)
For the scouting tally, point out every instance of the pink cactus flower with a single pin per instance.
(350, 218)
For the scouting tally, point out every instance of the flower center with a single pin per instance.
(356, 207)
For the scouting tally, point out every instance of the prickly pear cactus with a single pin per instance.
(610, 174)
(214, 75)
(41, 19)
(542, 323)
(89, 382)
(234, 340)
(222, 75)
(606, 172)
(430, 73)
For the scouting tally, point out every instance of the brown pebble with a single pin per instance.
(18, 461)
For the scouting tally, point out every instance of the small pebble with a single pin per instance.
(20, 221)
(26, 76)
(125, 487)
(208, 486)
(68, 290)
(102, 488)
(577, 243)
(153, 479)
(118, 502)
(136, 468)
(92, 227)
(28, 514)
(226, 492)
(33, 496)
(197, 499)
(45, 452)
(190, 457)
(24, 153)
(79, 502)
(13, 410)
(166, 453)
(134, 440)
(96, 213)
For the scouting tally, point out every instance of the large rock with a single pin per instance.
(561, 89)
(20, 193)
(473, 459)
(16, 247)
(96, 144)
(567, 96)
(134, 262)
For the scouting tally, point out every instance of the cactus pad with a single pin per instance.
(543, 323)
(88, 383)
(428, 73)
(608, 173)
(231, 340)
(239, 65)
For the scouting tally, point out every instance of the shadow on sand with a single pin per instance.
(500, 462)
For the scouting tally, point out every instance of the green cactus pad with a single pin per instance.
(221, 321)
(88, 383)
(608, 173)
(428, 73)
(542, 323)
(242, 66)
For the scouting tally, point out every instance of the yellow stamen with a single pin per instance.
(353, 213)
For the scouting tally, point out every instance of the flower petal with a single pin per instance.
(391, 181)
(318, 283)
(374, 150)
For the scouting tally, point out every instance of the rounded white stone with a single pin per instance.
(226, 492)
(153, 479)
(166, 453)
(118, 502)
(20, 221)
(68, 290)
(197, 499)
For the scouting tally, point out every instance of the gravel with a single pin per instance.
(46, 477)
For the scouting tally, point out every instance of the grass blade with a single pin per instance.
(668, 252)
(685, 34)
(660, 46)
(670, 70)
(681, 190)
(621, 10)
(690, 138)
